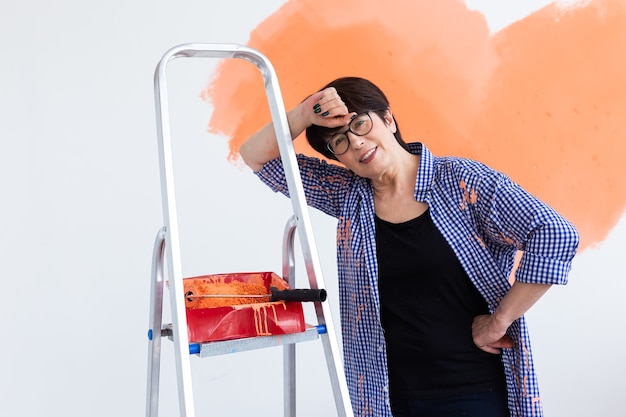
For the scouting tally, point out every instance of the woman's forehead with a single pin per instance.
(331, 132)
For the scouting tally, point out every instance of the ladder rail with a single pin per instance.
(168, 197)
(289, 351)
(297, 197)
(156, 321)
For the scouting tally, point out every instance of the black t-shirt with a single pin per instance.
(428, 304)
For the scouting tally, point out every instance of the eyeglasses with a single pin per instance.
(360, 125)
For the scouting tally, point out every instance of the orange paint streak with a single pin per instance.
(358, 314)
(536, 404)
(543, 100)
(480, 240)
(527, 363)
(469, 197)
(260, 319)
(361, 389)
(343, 234)
(261, 324)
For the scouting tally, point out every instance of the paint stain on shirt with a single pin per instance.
(469, 196)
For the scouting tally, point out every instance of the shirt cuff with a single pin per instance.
(535, 269)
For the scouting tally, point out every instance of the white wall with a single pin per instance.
(81, 206)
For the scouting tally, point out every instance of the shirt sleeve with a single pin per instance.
(325, 185)
(516, 217)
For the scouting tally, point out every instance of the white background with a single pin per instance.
(81, 206)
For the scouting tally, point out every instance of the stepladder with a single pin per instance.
(167, 270)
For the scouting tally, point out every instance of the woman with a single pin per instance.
(431, 325)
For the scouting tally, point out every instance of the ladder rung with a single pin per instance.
(250, 343)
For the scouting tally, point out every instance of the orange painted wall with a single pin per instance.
(543, 100)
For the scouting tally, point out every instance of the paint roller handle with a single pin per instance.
(297, 295)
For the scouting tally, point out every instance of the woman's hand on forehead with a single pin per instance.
(328, 109)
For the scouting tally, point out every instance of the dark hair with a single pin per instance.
(359, 95)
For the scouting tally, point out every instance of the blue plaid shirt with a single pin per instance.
(485, 217)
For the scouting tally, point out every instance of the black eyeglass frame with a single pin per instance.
(355, 118)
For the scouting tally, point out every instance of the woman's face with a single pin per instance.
(371, 155)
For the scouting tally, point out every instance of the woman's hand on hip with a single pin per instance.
(489, 335)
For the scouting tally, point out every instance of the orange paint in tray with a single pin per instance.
(215, 319)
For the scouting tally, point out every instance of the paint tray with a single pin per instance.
(215, 319)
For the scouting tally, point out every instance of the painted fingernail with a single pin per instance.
(317, 110)
(317, 106)
(325, 114)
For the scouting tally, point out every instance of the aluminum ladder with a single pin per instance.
(167, 252)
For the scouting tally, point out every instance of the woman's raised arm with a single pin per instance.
(324, 108)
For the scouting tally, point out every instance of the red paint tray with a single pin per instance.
(214, 319)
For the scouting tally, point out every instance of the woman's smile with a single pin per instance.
(368, 156)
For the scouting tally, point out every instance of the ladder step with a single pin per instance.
(251, 343)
